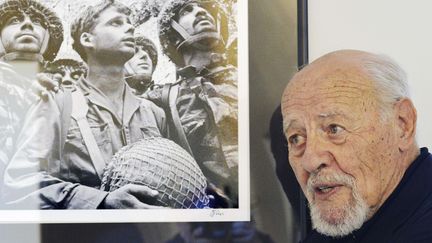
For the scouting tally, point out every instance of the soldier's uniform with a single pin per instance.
(15, 94)
(201, 104)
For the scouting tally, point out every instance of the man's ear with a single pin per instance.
(407, 120)
(86, 40)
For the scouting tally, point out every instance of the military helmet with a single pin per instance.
(172, 40)
(66, 62)
(161, 165)
(149, 47)
(53, 23)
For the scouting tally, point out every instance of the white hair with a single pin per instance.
(390, 80)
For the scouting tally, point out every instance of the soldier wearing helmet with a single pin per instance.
(29, 31)
(139, 69)
(29, 34)
(203, 102)
(66, 72)
(186, 26)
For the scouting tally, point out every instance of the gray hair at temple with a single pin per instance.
(390, 80)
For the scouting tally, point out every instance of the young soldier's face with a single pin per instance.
(195, 19)
(69, 75)
(23, 33)
(141, 62)
(112, 36)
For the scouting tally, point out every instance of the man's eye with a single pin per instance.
(37, 20)
(296, 140)
(334, 129)
(76, 75)
(14, 20)
(187, 9)
(117, 22)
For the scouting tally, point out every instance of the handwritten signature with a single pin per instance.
(216, 213)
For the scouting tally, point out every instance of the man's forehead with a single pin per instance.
(332, 86)
(206, 7)
(142, 48)
(23, 13)
(326, 97)
(109, 13)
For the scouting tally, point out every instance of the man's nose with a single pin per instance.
(199, 11)
(143, 55)
(130, 28)
(316, 155)
(27, 23)
(67, 80)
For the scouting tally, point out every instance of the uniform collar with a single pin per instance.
(97, 97)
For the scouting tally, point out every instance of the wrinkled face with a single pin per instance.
(23, 33)
(342, 152)
(112, 35)
(140, 63)
(195, 19)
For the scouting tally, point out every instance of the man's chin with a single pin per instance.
(338, 221)
(27, 48)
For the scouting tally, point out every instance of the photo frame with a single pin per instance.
(167, 72)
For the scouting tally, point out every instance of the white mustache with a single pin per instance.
(316, 179)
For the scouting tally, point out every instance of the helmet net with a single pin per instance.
(161, 165)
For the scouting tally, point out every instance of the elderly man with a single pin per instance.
(139, 69)
(350, 127)
(202, 104)
(61, 155)
(30, 33)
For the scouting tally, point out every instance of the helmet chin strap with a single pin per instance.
(128, 70)
(12, 56)
(45, 41)
(197, 39)
(26, 56)
(2, 49)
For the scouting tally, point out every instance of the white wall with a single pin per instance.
(401, 29)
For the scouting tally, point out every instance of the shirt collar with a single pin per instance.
(97, 97)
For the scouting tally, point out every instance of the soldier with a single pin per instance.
(203, 102)
(139, 69)
(66, 72)
(62, 155)
(30, 33)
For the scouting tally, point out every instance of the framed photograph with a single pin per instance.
(124, 111)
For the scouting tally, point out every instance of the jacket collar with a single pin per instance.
(407, 197)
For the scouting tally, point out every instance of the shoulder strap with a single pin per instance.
(169, 97)
(66, 118)
(79, 113)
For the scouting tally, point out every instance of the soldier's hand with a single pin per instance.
(44, 85)
(131, 196)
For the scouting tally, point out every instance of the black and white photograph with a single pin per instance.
(138, 105)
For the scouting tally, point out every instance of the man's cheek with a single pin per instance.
(301, 176)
